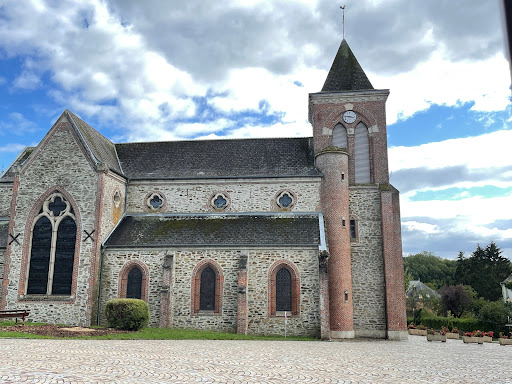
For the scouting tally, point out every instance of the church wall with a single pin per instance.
(259, 263)
(111, 210)
(114, 260)
(308, 321)
(245, 196)
(5, 199)
(60, 162)
(367, 263)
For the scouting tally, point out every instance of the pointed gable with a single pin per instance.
(101, 148)
(346, 74)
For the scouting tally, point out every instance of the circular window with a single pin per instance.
(219, 201)
(155, 201)
(286, 200)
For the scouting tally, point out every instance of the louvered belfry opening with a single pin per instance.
(339, 136)
(362, 154)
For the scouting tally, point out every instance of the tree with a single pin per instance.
(454, 299)
(431, 269)
(484, 270)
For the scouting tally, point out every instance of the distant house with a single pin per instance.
(417, 288)
(507, 291)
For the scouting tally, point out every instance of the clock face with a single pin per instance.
(349, 117)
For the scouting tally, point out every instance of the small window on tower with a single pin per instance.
(353, 229)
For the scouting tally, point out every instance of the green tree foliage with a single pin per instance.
(484, 270)
(495, 314)
(454, 299)
(431, 269)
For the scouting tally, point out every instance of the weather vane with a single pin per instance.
(343, 20)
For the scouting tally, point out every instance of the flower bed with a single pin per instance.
(451, 335)
(419, 330)
(505, 341)
(473, 339)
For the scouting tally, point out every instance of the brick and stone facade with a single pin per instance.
(277, 229)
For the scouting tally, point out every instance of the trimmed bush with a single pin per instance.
(463, 324)
(127, 314)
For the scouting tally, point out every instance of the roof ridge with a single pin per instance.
(208, 140)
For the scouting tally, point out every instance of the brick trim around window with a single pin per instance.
(272, 273)
(123, 279)
(196, 286)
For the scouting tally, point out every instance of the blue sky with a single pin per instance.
(166, 70)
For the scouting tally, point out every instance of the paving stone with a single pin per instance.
(237, 362)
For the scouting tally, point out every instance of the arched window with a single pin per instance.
(284, 289)
(133, 281)
(52, 251)
(207, 290)
(339, 136)
(207, 286)
(362, 154)
(134, 284)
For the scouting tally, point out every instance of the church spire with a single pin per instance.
(346, 74)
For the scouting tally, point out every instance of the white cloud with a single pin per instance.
(423, 227)
(12, 147)
(441, 81)
(484, 151)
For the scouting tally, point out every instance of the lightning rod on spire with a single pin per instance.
(343, 20)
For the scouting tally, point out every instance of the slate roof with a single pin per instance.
(218, 158)
(101, 147)
(420, 288)
(216, 230)
(18, 162)
(4, 233)
(346, 74)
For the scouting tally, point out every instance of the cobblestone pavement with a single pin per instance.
(210, 361)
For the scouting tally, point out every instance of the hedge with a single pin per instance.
(127, 314)
(462, 324)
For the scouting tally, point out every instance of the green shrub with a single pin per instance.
(127, 314)
(508, 285)
(463, 324)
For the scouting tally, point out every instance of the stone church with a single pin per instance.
(242, 235)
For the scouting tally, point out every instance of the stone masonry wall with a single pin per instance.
(308, 321)
(368, 263)
(5, 199)
(114, 260)
(112, 183)
(245, 196)
(58, 163)
(259, 263)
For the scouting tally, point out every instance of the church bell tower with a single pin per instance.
(360, 207)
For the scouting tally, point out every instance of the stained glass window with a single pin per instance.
(220, 202)
(56, 225)
(134, 284)
(285, 200)
(40, 257)
(283, 290)
(156, 202)
(64, 257)
(207, 290)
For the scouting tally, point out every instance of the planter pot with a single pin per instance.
(487, 339)
(505, 341)
(418, 332)
(451, 335)
(472, 339)
(437, 338)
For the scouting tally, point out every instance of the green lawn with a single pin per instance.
(155, 334)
